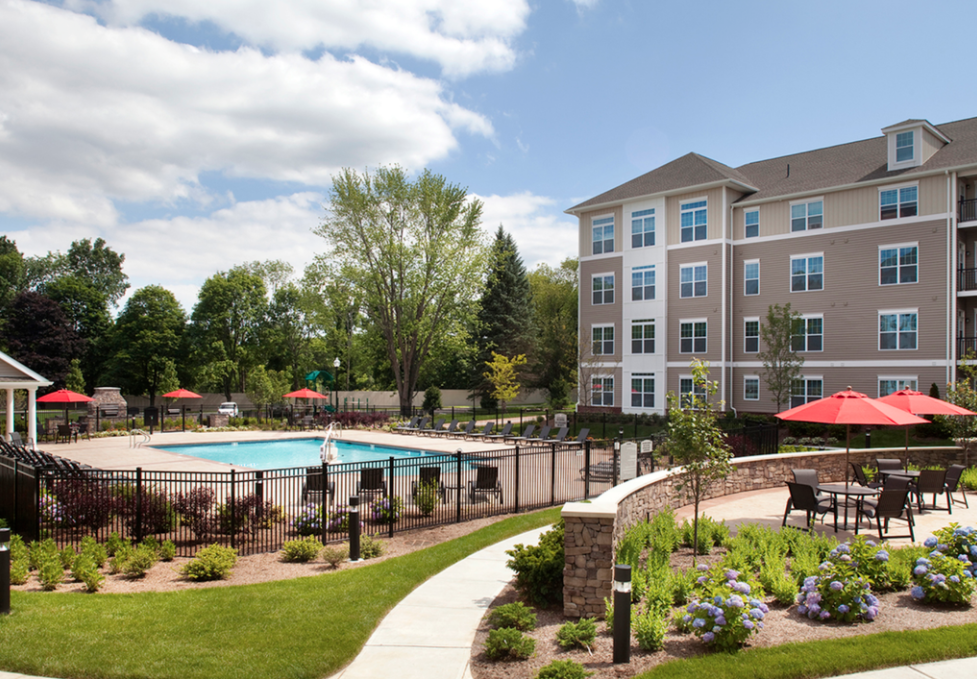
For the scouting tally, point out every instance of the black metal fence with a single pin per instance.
(761, 439)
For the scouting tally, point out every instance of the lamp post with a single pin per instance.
(622, 614)
(354, 528)
(335, 381)
(4, 571)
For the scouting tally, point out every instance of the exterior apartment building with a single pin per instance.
(872, 242)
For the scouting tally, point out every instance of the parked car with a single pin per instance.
(228, 408)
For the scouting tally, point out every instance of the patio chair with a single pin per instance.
(371, 482)
(932, 481)
(434, 428)
(427, 476)
(65, 432)
(581, 437)
(599, 471)
(809, 477)
(502, 435)
(560, 435)
(481, 434)
(414, 421)
(802, 498)
(421, 426)
(527, 433)
(888, 463)
(860, 477)
(486, 483)
(896, 482)
(450, 431)
(891, 504)
(312, 488)
(953, 473)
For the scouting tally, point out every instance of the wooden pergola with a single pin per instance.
(13, 376)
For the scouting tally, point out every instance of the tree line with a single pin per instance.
(409, 292)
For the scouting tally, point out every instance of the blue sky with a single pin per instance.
(194, 136)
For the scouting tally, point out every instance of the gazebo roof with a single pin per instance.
(16, 375)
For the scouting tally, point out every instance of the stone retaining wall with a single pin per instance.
(594, 527)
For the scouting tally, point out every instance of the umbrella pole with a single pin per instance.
(907, 447)
(847, 451)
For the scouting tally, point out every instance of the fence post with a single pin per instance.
(586, 469)
(233, 510)
(458, 494)
(37, 506)
(322, 500)
(517, 479)
(15, 505)
(138, 504)
(553, 475)
(390, 495)
(617, 453)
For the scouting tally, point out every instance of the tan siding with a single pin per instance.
(932, 196)
(586, 220)
(595, 314)
(7, 370)
(857, 206)
(930, 145)
(673, 211)
(852, 296)
(708, 307)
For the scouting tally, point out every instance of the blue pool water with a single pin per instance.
(288, 453)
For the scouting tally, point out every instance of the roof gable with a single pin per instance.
(15, 371)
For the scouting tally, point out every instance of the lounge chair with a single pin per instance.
(526, 434)
(599, 471)
(891, 504)
(435, 428)
(428, 475)
(463, 433)
(803, 498)
(953, 474)
(581, 438)
(371, 482)
(501, 436)
(312, 489)
(482, 434)
(412, 425)
(450, 431)
(486, 483)
(560, 435)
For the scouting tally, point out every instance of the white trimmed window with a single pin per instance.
(602, 232)
(603, 340)
(807, 273)
(898, 264)
(807, 216)
(808, 334)
(898, 330)
(694, 219)
(603, 287)
(692, 337)
(751, 222)
(687, 388)
(602, 391)
(693, 280)
(643, 283)
(751, 277)
(805, 390)
(751, 387)
(904, 146)
(901, 202)
(643, 337)
(643, 228)
(890, 384)
(752, 335)
(643, 390)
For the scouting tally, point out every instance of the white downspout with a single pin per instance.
(951, 301)
(722, 308)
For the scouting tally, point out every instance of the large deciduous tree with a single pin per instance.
(38, 335)
(505, 321)
(148, 342)
(781, 364)
(11, 271)
(554, 363)
(414, 253)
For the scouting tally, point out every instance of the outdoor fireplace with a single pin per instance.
(109, 404)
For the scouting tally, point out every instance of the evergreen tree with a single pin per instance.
(505, 322)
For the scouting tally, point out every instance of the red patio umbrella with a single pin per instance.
(304, 393)
(849, 407)
(181, 393)
(918, 403)
(65, 396)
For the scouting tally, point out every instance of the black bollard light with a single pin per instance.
(354, 528)
(622, 614)
(4, 571)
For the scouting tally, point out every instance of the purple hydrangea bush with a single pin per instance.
(309, 520)
(838, 591)
(725, 611)
(947, 574)
(386, 510)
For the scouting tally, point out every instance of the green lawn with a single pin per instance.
(307, 627)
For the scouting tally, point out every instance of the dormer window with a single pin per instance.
(911, 143)
(904, 146)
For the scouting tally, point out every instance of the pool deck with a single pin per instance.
(117, 453)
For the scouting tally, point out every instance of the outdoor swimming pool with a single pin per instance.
(289, 452)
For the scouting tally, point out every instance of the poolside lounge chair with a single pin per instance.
(803, 498)
(581, 438)
(526, 434)
(412, 425)
(427, 476)
(599, 471)
(371, 482)
(486, 483)
(482, 434)
(501, 436)
(450, 431)
(953, 474)
(434, 428)
(560, 435)
(891, 504)
(421, 426)
(312, 490)
(463, 433)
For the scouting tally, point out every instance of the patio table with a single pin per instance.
(857, 492)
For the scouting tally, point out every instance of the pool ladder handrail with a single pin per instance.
(324, 448)
(132, 438)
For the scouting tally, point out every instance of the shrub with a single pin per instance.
(968, 479)
(52, 511)
(371, 547)
(432, 399)
(947, 575)
(211, 563)
(837, 593)
(140, 560)
(508, 643)
(19, 571)
(85, 571)
(335, 555)
(195, 508)
(154, 509)
(87, 503)
(539, 569)
(386, 510)
(117, 563)
(40, 552)
(301, 551)
(167, 550)
(869, 560)
(67, 556)
(51, 574)
(650, 627)
(18, 550)
(958, 542)
(114, 544)
(563, 669)
(516, 615)
(96, 552)
(309, 520)
(338, 521)
(581, 633)
(426, 496)
(720, 615)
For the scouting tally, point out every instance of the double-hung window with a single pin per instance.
(751, 387)
(807, 216)
(694, 219)
(805, 390)
(897, 330)
(643, 228)
(603, 286)
(808, 334)
(602, 232)
(643, 337)
(602, 391)
(643, 390)
(692, 337)
(904, 146)
(693, 279)
(603, 336)
(890, 385)
(688, 388)
(752, 335)
(643, 283)
(895, 203)
(806, 273)
(751, 277)
(751, 220)
(898, 264)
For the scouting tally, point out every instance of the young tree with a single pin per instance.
(962, 393)
(505, 316)
(696, 442)
(554, 362)
(412, 251)
(781, 364)
(503, 375)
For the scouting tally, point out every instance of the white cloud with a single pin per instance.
(462, 37)
(91, 114)
(542, 232)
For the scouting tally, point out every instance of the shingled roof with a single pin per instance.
(817, 170)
